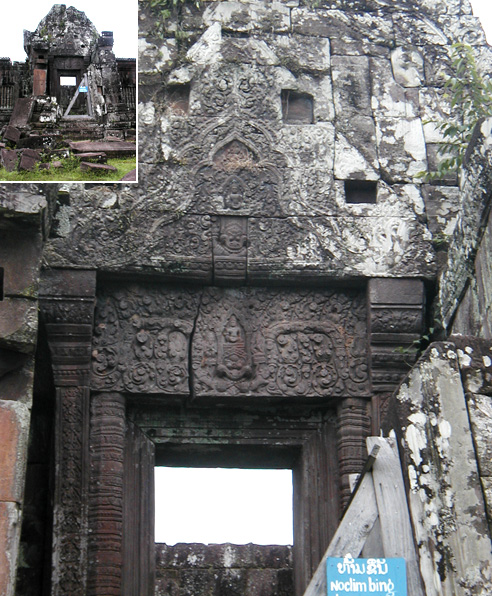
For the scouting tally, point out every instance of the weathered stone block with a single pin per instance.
(22, 113)
(14, 430)
(236, 16)
(87, 166)
(355, 148)
(401, 148)
(302, 53)
(12, 134)
(25, 204)
(480, 408)
(9, 539)
(18, 324)
(363, 26)
(446, 500)
(94, 156)
(404, 292)
(20, 256)
(389, 98)
(351, 85)
(29, 158)
(16, 376)
(442, 207)
(475, 359)
(111, 148)
(9, 159)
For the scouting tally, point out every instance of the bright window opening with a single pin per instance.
(68, 81)
(220, 505)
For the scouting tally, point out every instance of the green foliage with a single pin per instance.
(470, 97)
(71, 172)
(418, 345)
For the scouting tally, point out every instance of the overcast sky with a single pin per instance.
(119, 16)
(219, 505)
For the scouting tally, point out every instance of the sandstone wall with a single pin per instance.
(23, 224)
(223, 570)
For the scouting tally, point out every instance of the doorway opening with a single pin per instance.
(223, 505)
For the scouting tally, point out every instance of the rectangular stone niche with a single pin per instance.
(297, 108)
(360, 191)
(178, 98)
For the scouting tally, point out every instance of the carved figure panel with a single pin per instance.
(280, 343)
(236, 180)
(244, 342)
(230, 250)
(141, 340)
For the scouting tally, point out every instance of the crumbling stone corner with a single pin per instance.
(445, 493)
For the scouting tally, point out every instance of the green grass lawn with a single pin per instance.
(71, 172)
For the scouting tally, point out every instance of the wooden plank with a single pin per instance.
(74, 98)
(373, 548)
(351, 535)
(396, 529)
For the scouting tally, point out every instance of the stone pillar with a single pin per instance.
(354, 425)
(67, 307)
(106, 494)
(396, 323)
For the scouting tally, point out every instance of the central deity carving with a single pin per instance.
(234, 355)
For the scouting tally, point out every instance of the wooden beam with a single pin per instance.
(351, 535)
(396, 529)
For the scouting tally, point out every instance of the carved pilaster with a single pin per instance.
(354, 425)
(67, 306)
(106, 495)
(396, 319)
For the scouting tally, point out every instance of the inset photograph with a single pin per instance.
(68, 92)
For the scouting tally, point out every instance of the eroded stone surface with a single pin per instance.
(446, 501)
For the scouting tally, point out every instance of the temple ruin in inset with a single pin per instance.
(70, 87)
(255, 301)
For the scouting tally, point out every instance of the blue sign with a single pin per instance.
(380, 577)
(83, 89)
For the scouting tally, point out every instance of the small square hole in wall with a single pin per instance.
(178, 98)
(360, 191)
(223, 505)
(297, 108)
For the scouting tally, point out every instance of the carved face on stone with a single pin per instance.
(233, 237)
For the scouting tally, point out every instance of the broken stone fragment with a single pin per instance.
(111, 148)
(29, 158)
(86, 166)
(9, 159)
(99, 156)
(130, 177)
(12, 134)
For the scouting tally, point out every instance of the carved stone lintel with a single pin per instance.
(354, 425)
(106, 495)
